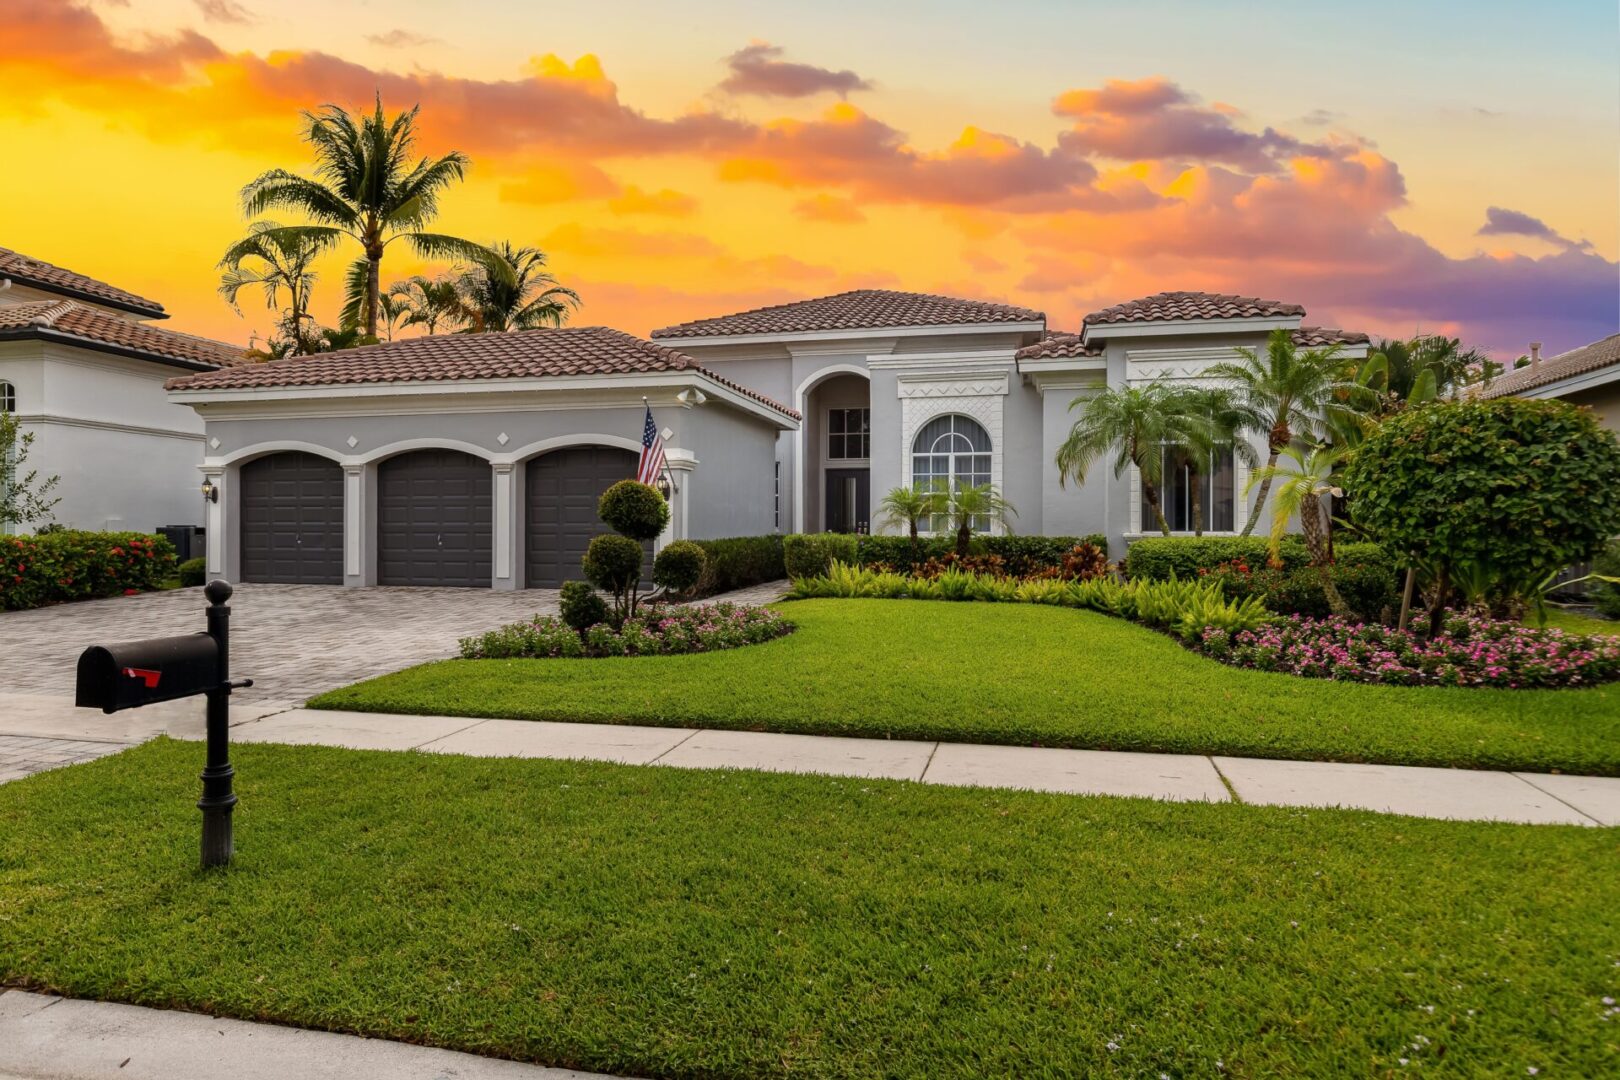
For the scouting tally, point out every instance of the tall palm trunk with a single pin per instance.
(1195, 487)
(1150, 491)
(1260, 496)
(373, 288)
(1310, 521)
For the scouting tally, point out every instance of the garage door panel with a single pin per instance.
(562, 489)
(291, 515)
(435, 520)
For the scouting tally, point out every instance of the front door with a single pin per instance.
(849, 500)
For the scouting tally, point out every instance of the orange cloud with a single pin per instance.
(830, 209)
(663, 202)
(559, 181)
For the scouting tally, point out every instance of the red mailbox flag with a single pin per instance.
(150, 678)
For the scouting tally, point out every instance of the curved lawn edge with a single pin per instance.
(1019, 675)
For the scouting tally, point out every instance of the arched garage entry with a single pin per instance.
(435, 519)
(563, 487)
(292, 519)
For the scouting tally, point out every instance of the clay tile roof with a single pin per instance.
(582, 350)
(1599, 354)
(1161, 307)
(1316, 337)
(862, 309)
(42, 275)
(73, 323)
(1056, 347)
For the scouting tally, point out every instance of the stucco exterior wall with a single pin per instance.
(1604, 401)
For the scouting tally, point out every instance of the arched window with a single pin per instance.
(952, 452)
(8, 397)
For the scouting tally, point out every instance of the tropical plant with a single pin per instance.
(973, 506)
(509, 289)
(1305, 476)
(366, 189)
(1288, 394)
(24, 497)
(427, 302)
(1213, 422)
(279, 263)
(1133, 423)
(909, 505)
(1499, 493)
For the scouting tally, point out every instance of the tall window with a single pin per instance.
(1217, 494)
(849, 434)
(951, 451)
(8, 397)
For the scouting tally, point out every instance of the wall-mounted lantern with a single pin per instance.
(210, 493)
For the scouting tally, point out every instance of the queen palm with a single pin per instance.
(428, 302)
(279, 264)
(1289, 393)
(510, 290)
(971, 504)
(1303, 477)
(910, 505)
(1132, 424)
(366, 189)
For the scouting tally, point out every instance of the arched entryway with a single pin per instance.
(292, 519)
(435, 519)
(838, 454)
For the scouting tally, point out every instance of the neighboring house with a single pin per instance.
(1589, 375)
(84, 372)
(476, 459)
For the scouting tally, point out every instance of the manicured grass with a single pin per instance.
(1580, 622)
(672, 923)
(1019, 674)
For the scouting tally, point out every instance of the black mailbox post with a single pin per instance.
(136, 673)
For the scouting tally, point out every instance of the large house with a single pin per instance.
(476, 460)
(1589, 375)
(83, 369)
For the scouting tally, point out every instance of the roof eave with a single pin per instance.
(153, 311)
(45, 333)
(678, 341)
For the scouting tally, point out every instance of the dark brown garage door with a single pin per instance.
(434, 511)
(292, 520)
(563, 488)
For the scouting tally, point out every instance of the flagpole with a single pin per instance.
(668, 474)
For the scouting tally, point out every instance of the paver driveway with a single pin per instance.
(294, 641)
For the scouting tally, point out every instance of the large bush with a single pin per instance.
(73, 565)
(812, 554)
(1494, 496)
(634, 509)
(737, 562)
(1365, 576)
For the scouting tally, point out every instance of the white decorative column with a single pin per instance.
(506, 530)
(682, 465)
(354, 524)
(214, 519)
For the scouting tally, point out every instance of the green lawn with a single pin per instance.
(1580, 622)
(1019, 674)
(674, 923)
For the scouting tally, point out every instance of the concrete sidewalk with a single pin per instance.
(52, 1038)
(1458, 794)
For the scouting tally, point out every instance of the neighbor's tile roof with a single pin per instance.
(582, 350)
(1055, 347)
(1165, 306)
(1316, 337)
(43, 275)
(1599, 354)
(862, 309)
(69, 321)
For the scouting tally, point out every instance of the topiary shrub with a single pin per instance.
(1496, 496)
(737, 562)
(613, 564)
(634, 509)
(193, 571)
(679, 566)
(581, 605)
(812, 554)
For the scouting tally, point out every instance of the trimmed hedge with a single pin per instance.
(194, 572)
(737, 562)
(1366, 574)
(76, 565)
(812, 554)
(1157, 557)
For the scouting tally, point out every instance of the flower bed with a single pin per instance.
(658, 630)
(75, 565)
(1470, 651)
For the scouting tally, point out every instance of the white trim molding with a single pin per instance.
(1163, 327)
(856, 334)
(564, 442)
(274, 446)
(979, 396)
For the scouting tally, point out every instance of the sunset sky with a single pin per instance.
(1393, 166)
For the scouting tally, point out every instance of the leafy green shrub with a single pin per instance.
(1027, 555)
(678, 566)
(738, 562)
(581, 605)
(1497, 495)
(812, 554)
(193, 571)
(1158, 558)
(77, 565)
(613, 564)
(899, 551)
(1605, 594)
(634, 509)
(1365, 574)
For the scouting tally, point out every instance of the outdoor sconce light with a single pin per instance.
(665, 488)
(210, 493)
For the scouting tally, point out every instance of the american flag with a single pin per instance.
(652, 452)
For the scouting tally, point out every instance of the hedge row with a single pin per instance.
(1366, 574)
(1157, 557)
(737, 562)
(72, 565)
(812, 554)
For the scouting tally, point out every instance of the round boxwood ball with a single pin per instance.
(581, 605)
(633, 509)
(678, 567)
(613, 562)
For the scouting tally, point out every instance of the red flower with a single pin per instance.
(131, 592)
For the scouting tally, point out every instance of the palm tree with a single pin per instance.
(1133, 423)
(909, 505)
(365, 189)
(510, 290)
(1215, 421)
(428, 302)
(970, 503)
(1288, 394)
(277, 262)
(1304, 478)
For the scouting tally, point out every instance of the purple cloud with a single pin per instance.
(756, 69)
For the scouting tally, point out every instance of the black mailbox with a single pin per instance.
(136, 673)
